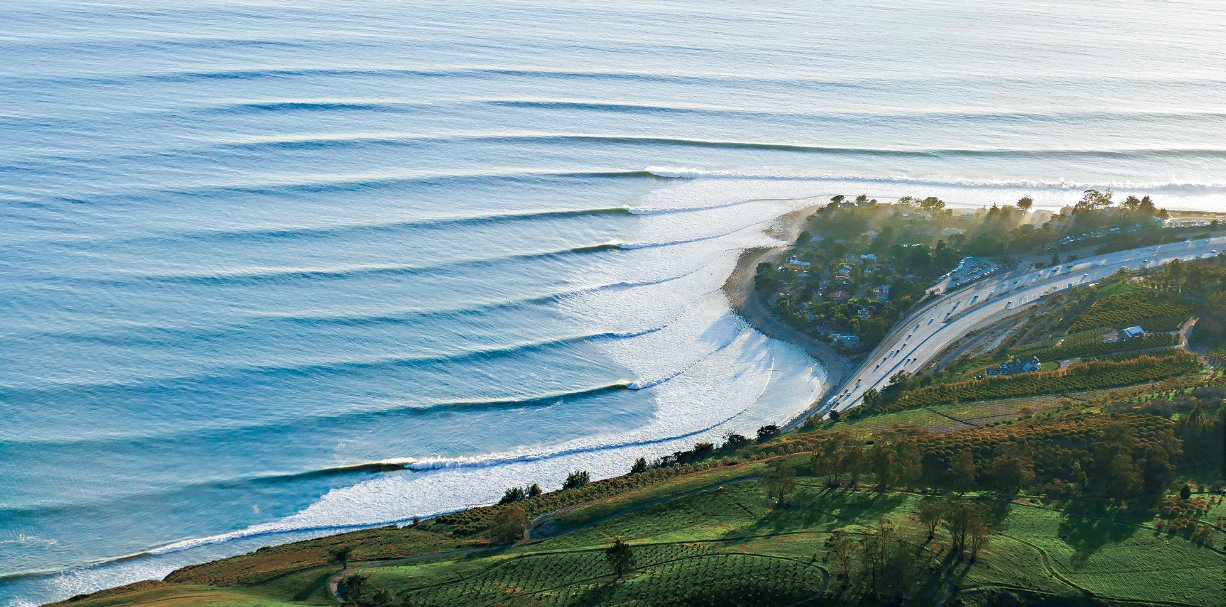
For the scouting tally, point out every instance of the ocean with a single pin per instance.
(249, 249)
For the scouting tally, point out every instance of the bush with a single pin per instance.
(509, 525)
(514, 494)
(766, 433)
(577, 479)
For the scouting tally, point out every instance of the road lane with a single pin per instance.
(925, 333)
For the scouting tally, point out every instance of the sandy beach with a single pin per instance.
(740, 292)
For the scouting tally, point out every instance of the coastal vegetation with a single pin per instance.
(859, 266)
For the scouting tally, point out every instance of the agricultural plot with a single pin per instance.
(665, 574)
(1116, 558)
(726, 548)
(1153, 310)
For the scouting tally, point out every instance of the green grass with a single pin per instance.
(724, 539)
(726, 543)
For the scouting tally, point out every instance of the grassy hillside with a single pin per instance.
(726, 545)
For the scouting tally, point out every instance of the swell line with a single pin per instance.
(391, 226)
(281, 275)
(402, 139)
(342, 183)
(338, 367)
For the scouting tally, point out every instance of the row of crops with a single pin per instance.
(1153, 310)
(1088, 375)
(666, 574)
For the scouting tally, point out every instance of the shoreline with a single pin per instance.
(739, 289)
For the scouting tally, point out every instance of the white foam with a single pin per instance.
(1174, 194)
(704, 369)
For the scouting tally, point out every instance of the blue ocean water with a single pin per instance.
(248, 247)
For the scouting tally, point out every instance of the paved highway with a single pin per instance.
(927, 332)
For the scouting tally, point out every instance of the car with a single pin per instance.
(930, 320)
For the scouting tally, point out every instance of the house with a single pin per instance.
(846, 340)
(1133, 332)
(882, 293)
(796, 262)
(1016, 366)
(840, 295)
(864, 313)
(869, 258)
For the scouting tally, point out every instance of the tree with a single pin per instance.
(962, 520)
(1093, 200)
(577, 479)
(932, 205)
(1011, 473)
(766, 433)
(929, 513)
(640, 466)
(910, 466)
(831, 458)
(979, 533)
(883, 458)
(1121, 477)
(1185, 493)
(841, 549)
(1077, 476)
(621, 558)
(509, 524)
(340, 555)
(779, 480)
(534, 490)
(735, 441)
(962, 471)
(853, 461)
(1025, 202)
(890, 565)
(514, 494)
(1157, 473)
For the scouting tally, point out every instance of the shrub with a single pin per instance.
(577, 479)
(509, 525)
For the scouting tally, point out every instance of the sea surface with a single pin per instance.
(248, 248)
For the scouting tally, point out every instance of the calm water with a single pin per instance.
(247, 246)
